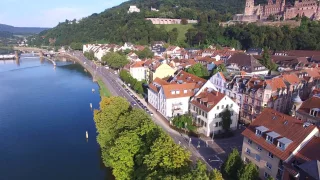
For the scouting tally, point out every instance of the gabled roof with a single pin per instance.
(184, 77)
(246, 62)
(156, 84)
(180, 90)
(276, 83)
(311, 103)
(284, 125)
(291, 78)
(137, 64)
(207, 99)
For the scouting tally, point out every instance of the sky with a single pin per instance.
(48, 13)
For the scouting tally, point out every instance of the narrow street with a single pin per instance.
(206, 150)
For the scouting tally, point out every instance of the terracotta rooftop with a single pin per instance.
(178, 90)
(302, 53)
(207, 99)
(281, 124)
(137, 64)
(311, 151)
(184, 77)
(276, 83)
(311, 103)
(156, 84)
(291, 78)
(247, 61)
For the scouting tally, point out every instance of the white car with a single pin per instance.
(115, 72)
(107, 67)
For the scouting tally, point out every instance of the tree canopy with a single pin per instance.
(232, 165)
(115, 60)
(198, 70)
(182, 120)
(226, 119)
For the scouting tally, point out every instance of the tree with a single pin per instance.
(266, 60)
(220, 68)
(181, 121)
(76, 46)
(184, 21)
(198, 70)
(226, 119)
(115, 60)
(200, 172)
(89, 55)
(145, 53)
(215, 174)
(231, 166)
(248, 172)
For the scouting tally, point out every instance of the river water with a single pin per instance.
(44, 114)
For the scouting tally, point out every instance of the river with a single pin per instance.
(44, 114)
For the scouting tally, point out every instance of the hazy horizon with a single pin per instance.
(36, 13)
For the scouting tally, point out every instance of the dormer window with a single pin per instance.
(177, 92)
(271, 136)
(314, 112)
(283, 143)
(260, 130)
(185, 91)
(173, 92)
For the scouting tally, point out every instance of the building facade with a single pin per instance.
(273, 139)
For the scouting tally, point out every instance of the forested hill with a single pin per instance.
(115, 25)
(21, 30)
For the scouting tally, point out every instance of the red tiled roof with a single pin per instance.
(311, 151)
(307, 105)
(291, 78)
(276, 83)
(185, 90)
(284, 125)
(207, 100)
(137, 64)
(157, 82)
(184, 77)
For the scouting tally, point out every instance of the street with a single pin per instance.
(209, 151)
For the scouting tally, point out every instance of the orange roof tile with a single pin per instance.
(207, 99)
(184, 77)
(137, 64)
(178, 90)
(291, 78)
(276, 83)
(311, 103)
(156, 84)
(284, 125)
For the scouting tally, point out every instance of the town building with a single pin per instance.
(158, 69)
(169, 21)
(279, 9)
(138, 71)
(308, 110)
(171, 98)
(133, 9)
(206, 108)
(247, 63)
(273, 140)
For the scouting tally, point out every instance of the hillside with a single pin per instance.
(21, 30)
(114, 25)
(182, 30)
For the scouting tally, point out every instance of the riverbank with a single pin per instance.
(104, 91)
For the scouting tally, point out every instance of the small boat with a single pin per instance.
(87, 136)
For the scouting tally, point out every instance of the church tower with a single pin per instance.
(249, 9)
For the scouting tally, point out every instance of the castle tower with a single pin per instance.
(249, 9)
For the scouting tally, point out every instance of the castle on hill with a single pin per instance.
(279, 9)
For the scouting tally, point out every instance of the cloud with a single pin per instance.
(51, 17)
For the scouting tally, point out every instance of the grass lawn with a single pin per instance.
(104, 92)
(182, 29)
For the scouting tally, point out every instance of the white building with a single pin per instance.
(206, 108)
(133, 9)
(138, 71)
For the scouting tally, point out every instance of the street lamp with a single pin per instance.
(185, 127)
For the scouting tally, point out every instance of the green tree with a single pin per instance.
(89, 55)
(231, 166)
(198, 70)
(138, 87)
(200, 172)
(182, 120)
(76, 46)
(248, 172)
(145, 53)
(115, 60)
(184, 21)
(266, 60)
(226, 119)
(220, 68)
(215, 174)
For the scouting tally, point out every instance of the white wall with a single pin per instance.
(138, 72)
(184, 105)
(153, 98)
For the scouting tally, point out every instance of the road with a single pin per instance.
(208, 151)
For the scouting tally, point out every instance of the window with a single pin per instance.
(217, 107)
(222, 106)
(270, 155)
(258, 132)
(173, 92)
(185, 91)
(268, 165)
(248, 151)
(249, 141)
(231, 105)
(259, 148)
(257, 157)
(266, 175)
(220, 123)
(216, 115)
(216, 124)
(270, 139)
(281, 145)
(227, 106)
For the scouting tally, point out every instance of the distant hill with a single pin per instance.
(114, 25)
(21, 30)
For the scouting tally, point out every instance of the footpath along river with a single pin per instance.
(44, 114)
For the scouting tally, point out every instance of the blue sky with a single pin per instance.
(48, 13)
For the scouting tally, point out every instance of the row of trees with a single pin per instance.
(134, 83)
(90, 55)
(135, 148)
